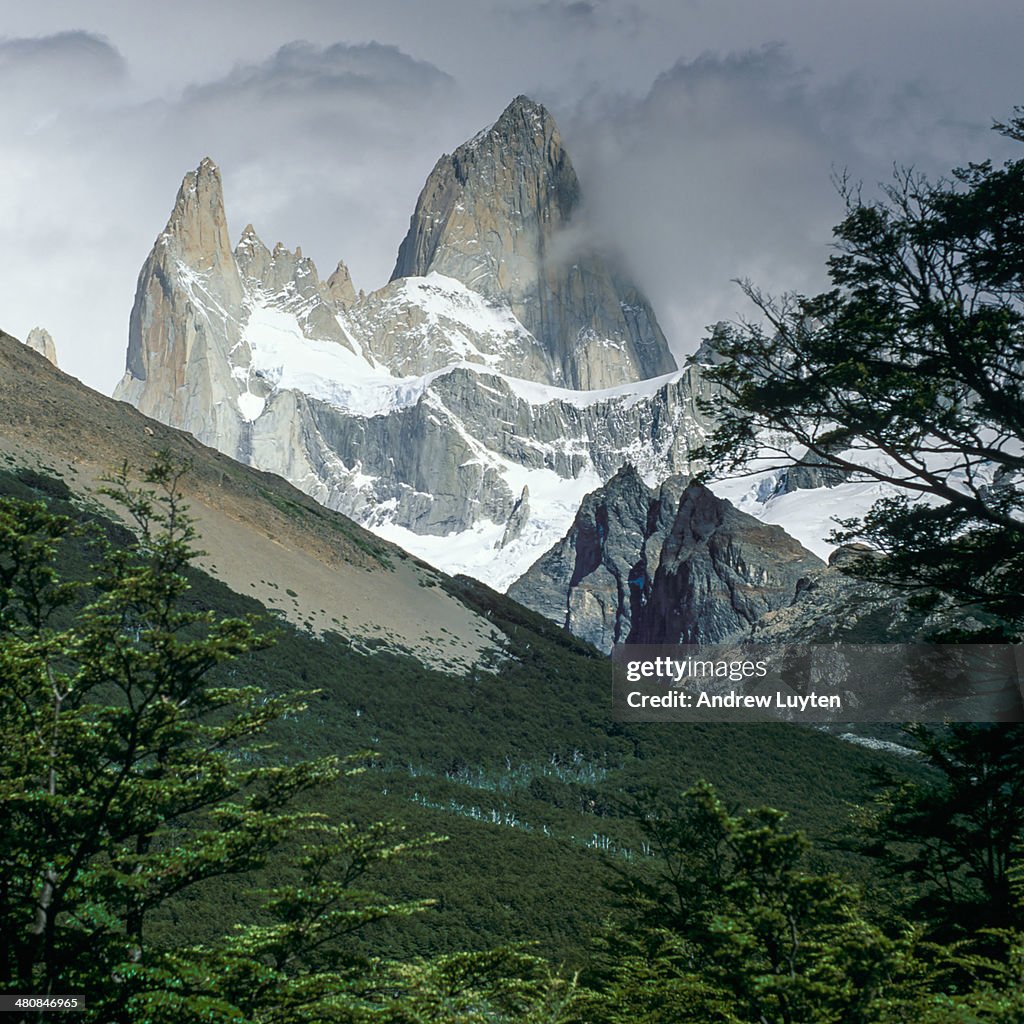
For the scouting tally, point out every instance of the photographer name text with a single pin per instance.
(732, 699)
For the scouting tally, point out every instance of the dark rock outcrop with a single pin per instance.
(720, 571)
(811, 472)
(673, 564)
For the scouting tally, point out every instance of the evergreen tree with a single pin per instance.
(954, 836)
(736, 927)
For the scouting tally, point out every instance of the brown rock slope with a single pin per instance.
(263, 537)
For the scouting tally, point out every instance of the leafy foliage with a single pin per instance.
(127, 779)
(909, 372)
(737, 927)
(724, 916)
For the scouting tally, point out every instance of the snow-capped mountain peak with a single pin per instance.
(429, 408)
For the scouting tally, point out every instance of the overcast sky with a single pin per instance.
(705, 132)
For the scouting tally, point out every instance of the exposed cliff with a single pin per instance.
(185, 327)
(423, 409)
(667, 564)
(502, 215)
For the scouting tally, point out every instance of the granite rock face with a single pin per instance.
(446, 461)
(670, 564)
(40, 340)
(517, 520)
(498, 215)
(185, 331)
(290, 282)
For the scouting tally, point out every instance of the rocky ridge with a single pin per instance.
(665, 564)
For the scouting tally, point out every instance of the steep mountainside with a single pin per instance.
(422, 410)
(263, 537)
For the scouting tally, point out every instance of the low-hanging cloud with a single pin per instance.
(45, 77)
(725, 170)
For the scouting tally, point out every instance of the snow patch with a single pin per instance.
(441, 312)
(809, 515)
(287, 360)
(554, 502)
(250, 406)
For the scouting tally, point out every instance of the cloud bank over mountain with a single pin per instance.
(704, 135)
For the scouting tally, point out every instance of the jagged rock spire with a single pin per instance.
(340, 286)
(184, 321)
(39, 340)
(197, 227)
(518, 176)
(501, 215)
